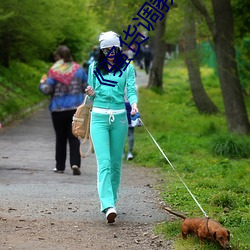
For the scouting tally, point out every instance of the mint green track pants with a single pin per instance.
(108, 138)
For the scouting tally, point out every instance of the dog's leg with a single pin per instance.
(184, 235)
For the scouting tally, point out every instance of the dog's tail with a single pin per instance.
(175, 213)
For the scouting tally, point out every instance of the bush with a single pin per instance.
(231, 146)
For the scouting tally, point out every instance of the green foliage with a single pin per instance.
(241, 17)
(243, 60)
(19, 87)
(219, 183)
(41, 29)
(175, 19)
(116, 15)
(242, 37)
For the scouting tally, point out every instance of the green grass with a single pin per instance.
(214, 164)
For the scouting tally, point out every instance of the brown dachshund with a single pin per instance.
(204, 229)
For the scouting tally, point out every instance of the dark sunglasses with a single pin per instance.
(107, 50)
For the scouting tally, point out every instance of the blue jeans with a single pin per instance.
(108, 139)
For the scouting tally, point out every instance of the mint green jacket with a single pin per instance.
(109, 97)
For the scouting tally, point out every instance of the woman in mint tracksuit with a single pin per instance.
(109, 123)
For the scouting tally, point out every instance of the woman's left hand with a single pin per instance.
(43, 79)
(134, 109)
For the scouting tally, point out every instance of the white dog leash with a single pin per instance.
(174, 170)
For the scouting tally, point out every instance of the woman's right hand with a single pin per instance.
(134, 109)
(90, 91)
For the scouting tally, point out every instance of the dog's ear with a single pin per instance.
(214, 235)
(228, 237)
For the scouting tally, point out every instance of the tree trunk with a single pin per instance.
(235, 109)
(159, 50)
(223, 37)
(201, 99)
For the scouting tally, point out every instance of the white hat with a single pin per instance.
(109, 39)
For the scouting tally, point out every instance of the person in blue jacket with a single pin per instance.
(109, 124)
(65, 83)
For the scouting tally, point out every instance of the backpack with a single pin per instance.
(81, 126)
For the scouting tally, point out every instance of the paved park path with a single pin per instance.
(40, 209)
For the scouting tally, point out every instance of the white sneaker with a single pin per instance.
(58, 171)
(111, 214)
(130, 156)
(76, 170)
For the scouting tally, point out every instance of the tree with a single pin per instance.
(201, 99)
(28, 33)
(223, 37)
(159, 51)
